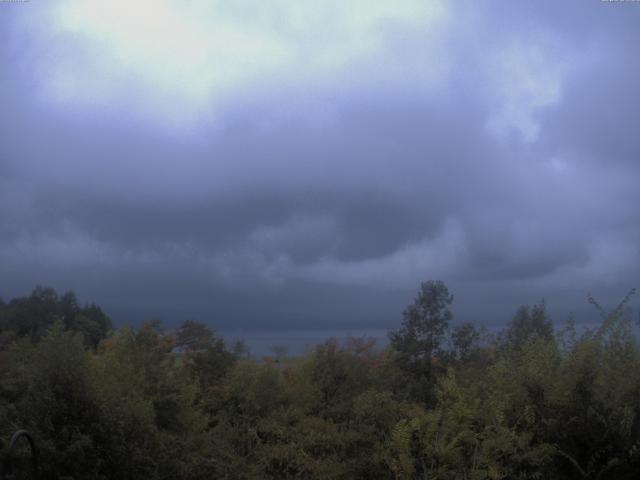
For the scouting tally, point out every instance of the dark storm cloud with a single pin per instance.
(513, 175)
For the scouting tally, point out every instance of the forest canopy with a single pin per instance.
(442, 400)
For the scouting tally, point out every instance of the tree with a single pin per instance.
(529, 325)
(33, 316)
(206, 356)
(194, 336)
(419, 338)
(50, 386)
(463, 340)
(337, 376)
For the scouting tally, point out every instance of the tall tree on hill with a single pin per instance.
(420, 336)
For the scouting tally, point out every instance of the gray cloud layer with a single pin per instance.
(502, 158)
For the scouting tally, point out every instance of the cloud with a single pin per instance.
(444, 255)
(174, 64)
(271, 164)
(526, 80)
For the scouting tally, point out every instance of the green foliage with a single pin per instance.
(419, 339)
(52, 396)
(32, 317)
(205, 356)
(464, 340)
(336, 376)
(143, 403)
(528, 325)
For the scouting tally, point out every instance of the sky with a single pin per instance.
(277, 164)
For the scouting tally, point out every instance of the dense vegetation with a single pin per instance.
(440, 402)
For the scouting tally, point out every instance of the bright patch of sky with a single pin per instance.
(183, 60)
(527, 79)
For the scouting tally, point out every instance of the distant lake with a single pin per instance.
(297, 342)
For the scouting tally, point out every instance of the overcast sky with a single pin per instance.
(284, 164)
